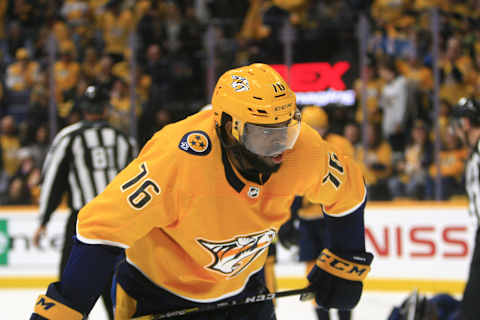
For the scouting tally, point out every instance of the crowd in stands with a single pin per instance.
(165, 42)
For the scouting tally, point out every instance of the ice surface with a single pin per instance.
(18, 304)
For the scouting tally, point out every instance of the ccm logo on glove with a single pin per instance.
(343, 268)
(337, 281)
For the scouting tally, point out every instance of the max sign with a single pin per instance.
(315, 76)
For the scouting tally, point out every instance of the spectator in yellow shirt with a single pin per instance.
(452, 164)
(66, 70)
(412, 170)
(22, 74)
(120, 114)
(10, 144)
(376, 163)
(123, 70)
(89, 65)
(454, 67)
(388, 11)
(373, 90)
(78, 16)
(116, 25)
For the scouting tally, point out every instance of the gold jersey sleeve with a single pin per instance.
(339, 185)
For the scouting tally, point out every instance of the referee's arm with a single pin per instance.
(54, 184)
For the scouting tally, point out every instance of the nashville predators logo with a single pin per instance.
(240, 84)
(195, 142)
(233, 256)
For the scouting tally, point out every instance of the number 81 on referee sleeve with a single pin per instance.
(141, 195)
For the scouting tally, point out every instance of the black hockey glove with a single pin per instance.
(288, 234)
(337, 280)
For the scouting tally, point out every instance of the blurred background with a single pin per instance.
(386, 73)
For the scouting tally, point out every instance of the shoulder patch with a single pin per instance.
(196, 142)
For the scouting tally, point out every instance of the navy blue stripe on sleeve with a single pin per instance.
(347, 234)
(86, 274)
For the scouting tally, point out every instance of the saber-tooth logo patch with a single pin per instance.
(232, 256)
(240, 84)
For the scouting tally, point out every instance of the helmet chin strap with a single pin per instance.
(248, 163)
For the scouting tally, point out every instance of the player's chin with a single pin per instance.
(276, 159)
(273, 162)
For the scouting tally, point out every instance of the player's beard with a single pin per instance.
(253, 163)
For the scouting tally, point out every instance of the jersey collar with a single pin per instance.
(233, 178)
(230, 174)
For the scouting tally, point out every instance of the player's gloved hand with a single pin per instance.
(49, 307)
(337, 279)
(288, 234)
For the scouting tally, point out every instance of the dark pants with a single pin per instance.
(470, 302)
(151, 299)
(70, 231)
(323, 314)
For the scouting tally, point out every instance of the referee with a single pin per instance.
(467, 111)
(83, 158)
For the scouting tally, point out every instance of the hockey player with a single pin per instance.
(467, 113)
(417, 306)
(196, 211)
(81, 160)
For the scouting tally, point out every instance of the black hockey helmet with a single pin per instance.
(468, 107)
(94, 100)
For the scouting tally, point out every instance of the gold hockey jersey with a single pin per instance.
(193, 225)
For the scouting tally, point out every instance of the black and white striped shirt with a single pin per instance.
(472, 179)
(82, 160)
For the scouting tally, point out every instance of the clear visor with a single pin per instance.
(269, 141)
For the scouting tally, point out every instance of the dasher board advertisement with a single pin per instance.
(420, 242)
(18, 255)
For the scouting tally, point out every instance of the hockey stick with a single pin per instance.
(307, 293)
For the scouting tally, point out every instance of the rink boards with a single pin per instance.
(425, 245)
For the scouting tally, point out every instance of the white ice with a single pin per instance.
(17, 304)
